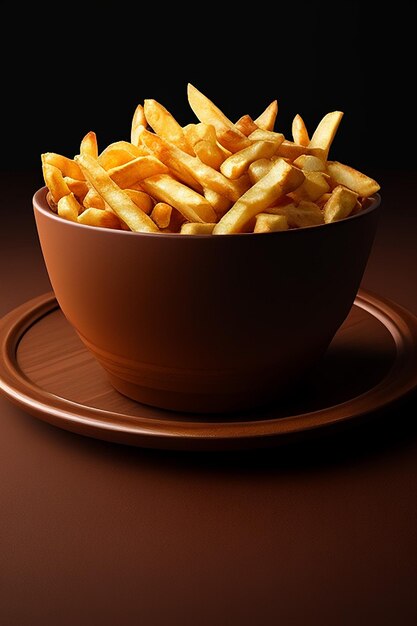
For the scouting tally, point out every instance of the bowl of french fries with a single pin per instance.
(207, 267)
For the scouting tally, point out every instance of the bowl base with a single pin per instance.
(193, 402)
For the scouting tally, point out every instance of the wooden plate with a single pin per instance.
(46, 370)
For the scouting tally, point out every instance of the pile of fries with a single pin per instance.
(213, 177)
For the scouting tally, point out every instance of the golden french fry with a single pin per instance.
(281, 179)
(177, 160)
(205, 132)
(353, 179)
(266, 120)
(200, 132)
(237, 164)
(298, 215)
(141, 199)
(115, 158)
(166, 152)
(93, 199)
(161, 214)
(116, 198)
(165, 125)
(267, 223)
(78, 187)
(258, 169)
(120, 152)
(138, 123)
(220, 204)
(67, 166)
(209, 153)
(191, 204)
(299, 131)
(99, 217)
(290, 150)
(196, 228)
(310, 163)
(340, 204)
(54, 180)
(69, 207)
(313, 187)
(89, 145)
(206, 111)
(267, 135)
(324, 134)
(246, 125)
(323, 199)
(136, 170)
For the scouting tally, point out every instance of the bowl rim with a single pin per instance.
(40, 204)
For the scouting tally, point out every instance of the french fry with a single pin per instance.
(267, 223)
(323, 199)
(324, 134)
(266, 120)
(200, 132)
(280, 180)
(116, 198)
(313, 187)
(220, 204)
(100, 218)
(340, 204)
(115, 158)
(176, 160)
(258, 169)
(67, 166)
(206, 111)
(69, 207)
(237, 164)
(205, 132)
(89, 145)
(120, 152)
(196, 228)
(165, 125)
(136, 170)
(54, 180)
(161, 214)
(298, 215)
(93, 199)
(191, 204)
(290, 150)
(78, 187)
(246, 125)
(141, 199)
(138, 124)
(352, 179)
(209, 153)
(310, 163)
(299, 131)
(267, 135)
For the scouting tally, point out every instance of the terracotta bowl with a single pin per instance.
(205, 323)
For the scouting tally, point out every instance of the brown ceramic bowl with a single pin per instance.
(205, 323)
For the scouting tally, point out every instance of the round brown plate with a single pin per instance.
(46, 370)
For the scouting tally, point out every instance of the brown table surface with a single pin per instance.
(322, 532)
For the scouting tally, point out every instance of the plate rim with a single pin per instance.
(158, 433)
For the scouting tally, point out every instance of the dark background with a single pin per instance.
(79, 74)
